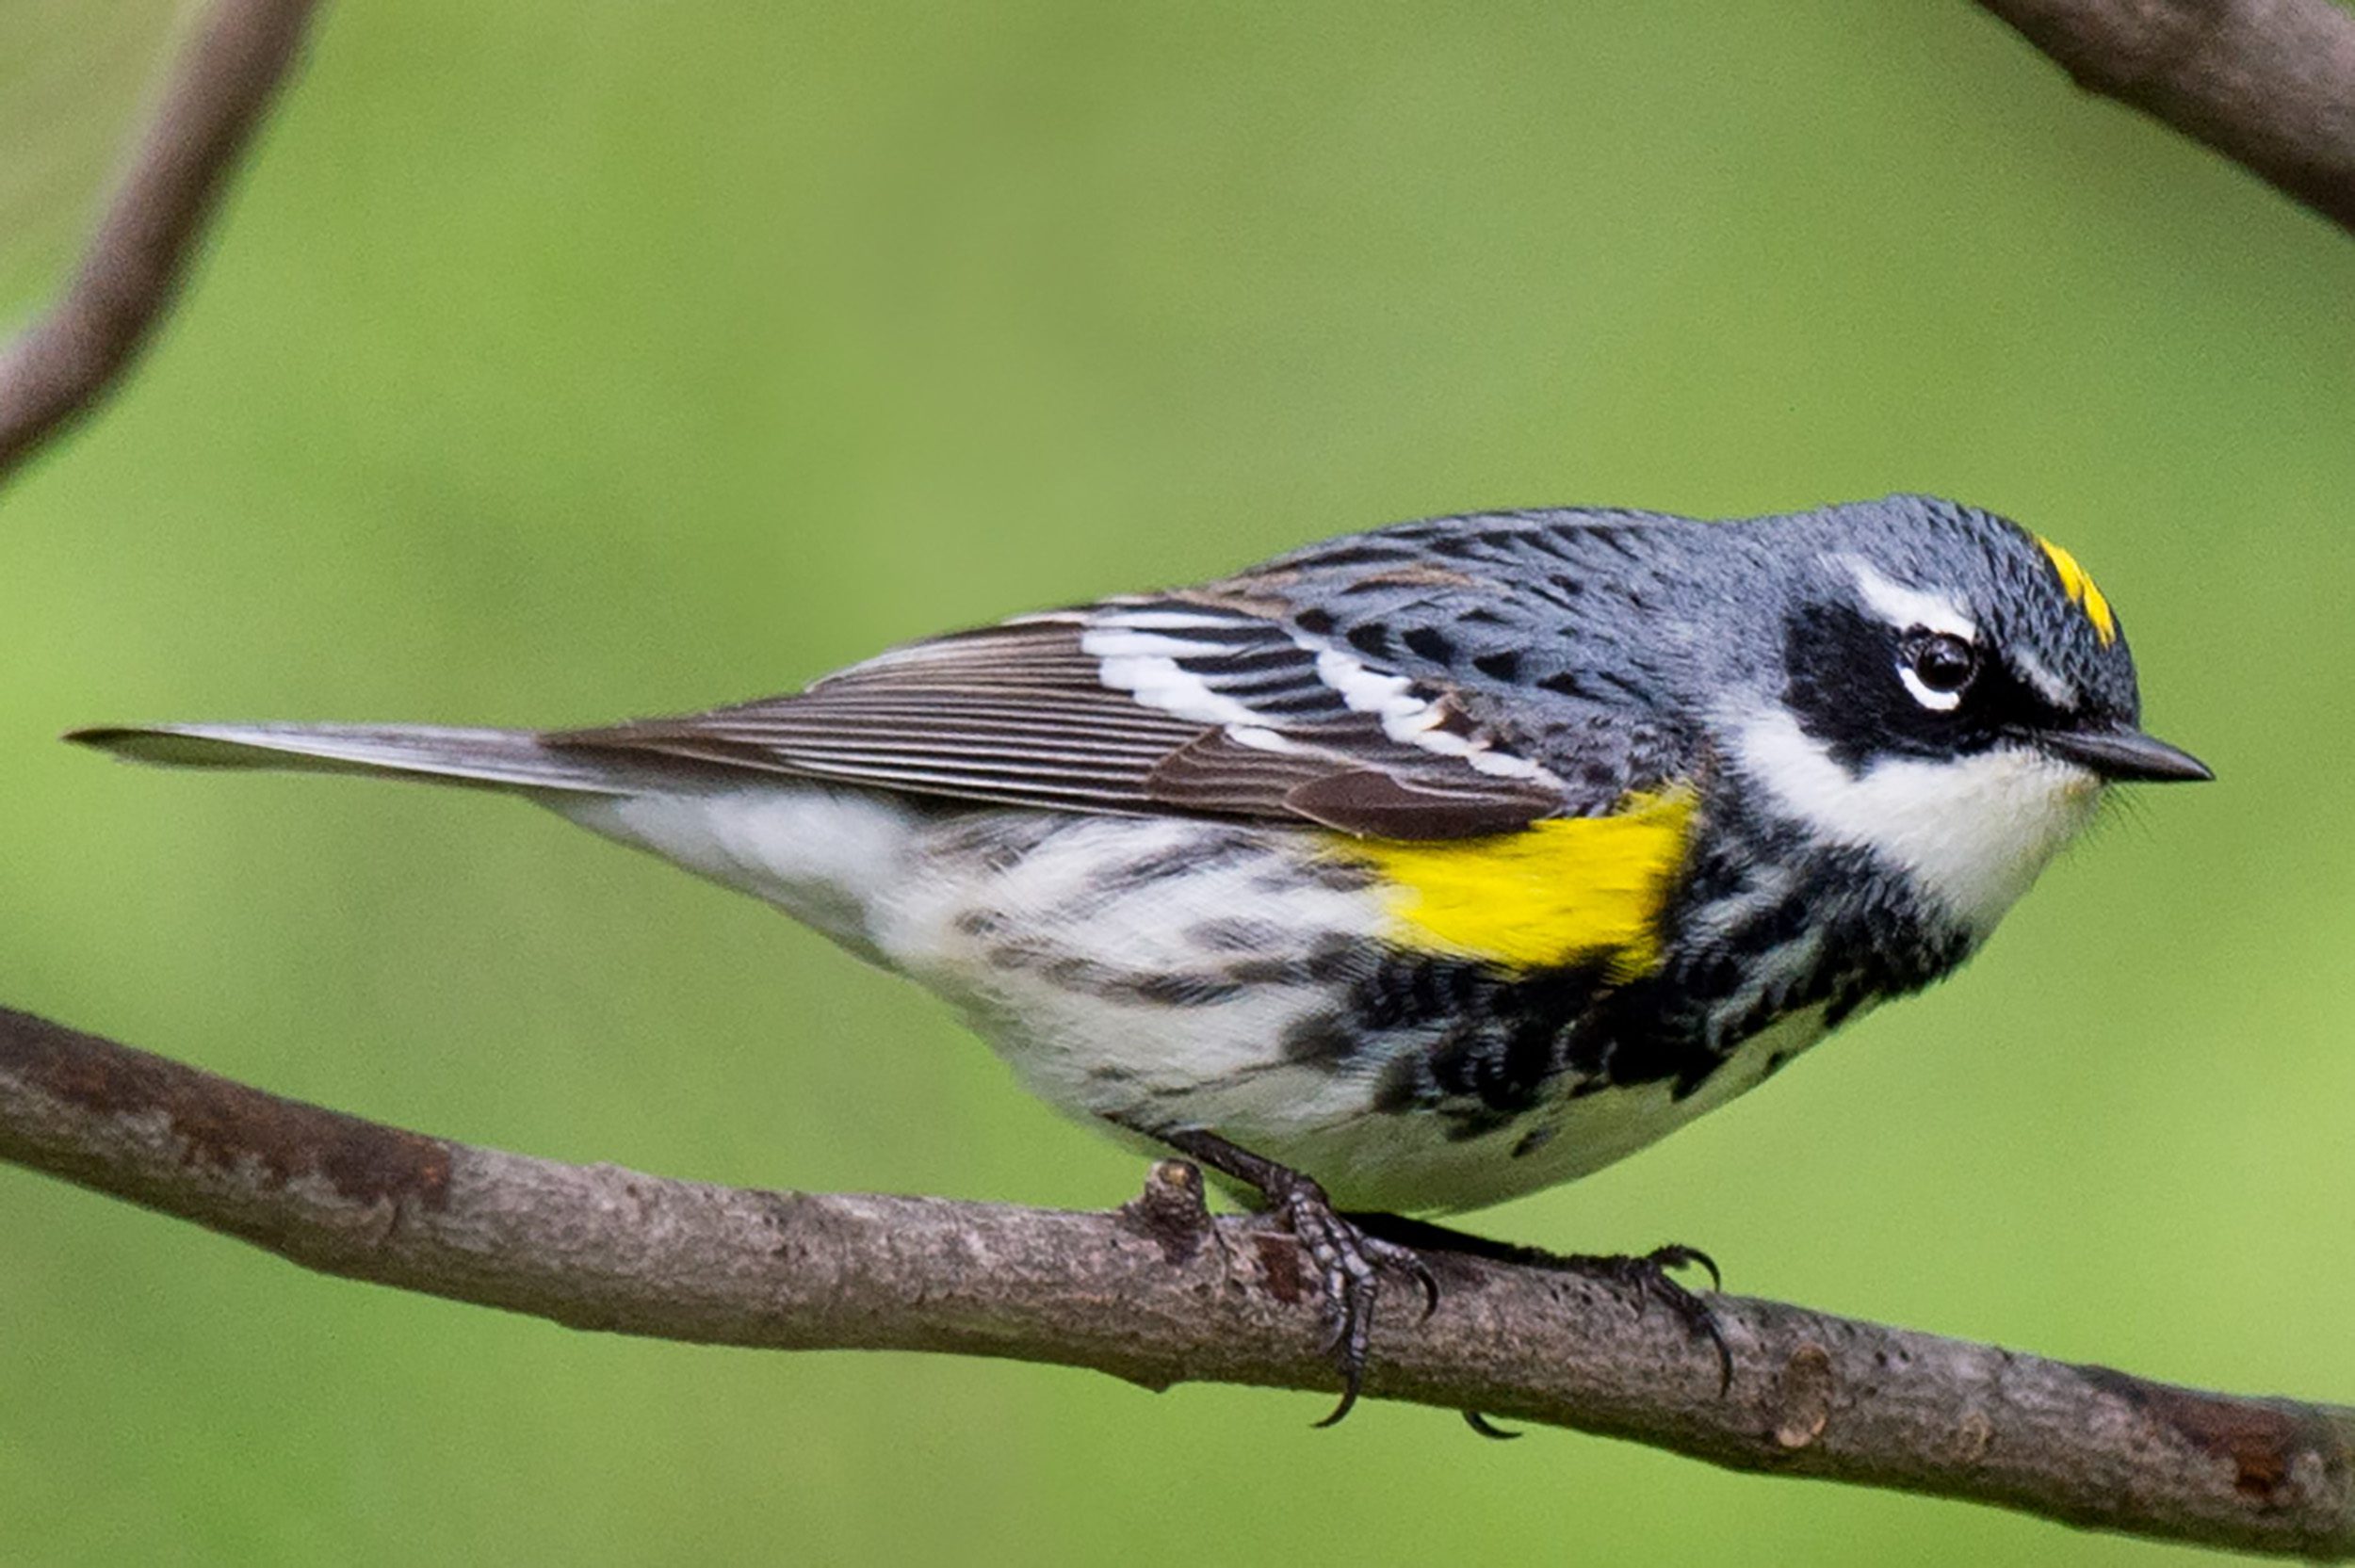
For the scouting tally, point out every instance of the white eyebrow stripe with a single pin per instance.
(2039, 676)
(1906, 607)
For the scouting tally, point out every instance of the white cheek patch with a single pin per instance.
(1972, 831)
(1908, 608)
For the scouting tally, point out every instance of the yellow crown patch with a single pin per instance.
(2079, 587)
(1565, 890)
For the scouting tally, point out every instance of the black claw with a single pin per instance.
(1701, 1322)
(1348, 1266)
(1648, 1277)
(1645, 1277)
(1430, 1283)
(1678, 1257)
(1725, 1357)
(1349, 1403)
(1487, 1428)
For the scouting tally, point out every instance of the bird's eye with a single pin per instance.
(1936, 668)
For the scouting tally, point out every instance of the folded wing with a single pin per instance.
(1133, 707)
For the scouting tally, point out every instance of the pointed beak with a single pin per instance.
(2123, 755)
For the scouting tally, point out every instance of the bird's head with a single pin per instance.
(1942, 688)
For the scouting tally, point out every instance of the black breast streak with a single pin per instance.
(1508, 1053)
(1505, 1043)
(1496, 1036)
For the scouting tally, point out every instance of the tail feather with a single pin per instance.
(511, 759)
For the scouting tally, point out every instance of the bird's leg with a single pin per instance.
(1645, 1275)
(1347, 1258)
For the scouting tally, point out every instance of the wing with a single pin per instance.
(1177, 704)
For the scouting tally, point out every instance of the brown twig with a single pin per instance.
(59, 367)
(2271, 84)
(1158, 1293)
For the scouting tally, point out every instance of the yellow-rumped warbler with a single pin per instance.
(1423, 867)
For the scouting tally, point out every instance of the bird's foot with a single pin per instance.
(1348, 1263)
(1649, 1276)
(1348, 1259)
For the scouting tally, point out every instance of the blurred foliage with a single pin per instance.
(558, 363)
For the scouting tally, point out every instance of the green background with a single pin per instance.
(557, 363)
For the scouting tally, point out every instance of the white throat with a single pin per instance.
(1972, 831)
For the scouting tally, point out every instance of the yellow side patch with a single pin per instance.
(1562, 891)
(2079, 587)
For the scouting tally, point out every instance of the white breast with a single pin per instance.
(1972, 831)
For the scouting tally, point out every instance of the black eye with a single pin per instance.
(1937, 667)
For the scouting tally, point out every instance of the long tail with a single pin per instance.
(507, 759)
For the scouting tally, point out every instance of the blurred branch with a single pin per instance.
(59, 367)
(1158, 1292)
(2271, 84)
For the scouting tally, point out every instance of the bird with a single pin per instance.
(1411, 871)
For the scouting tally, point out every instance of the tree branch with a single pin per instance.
(59, 367)
(2271, 84)
(1160, 1293)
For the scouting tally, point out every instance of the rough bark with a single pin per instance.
(1158, 1292)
